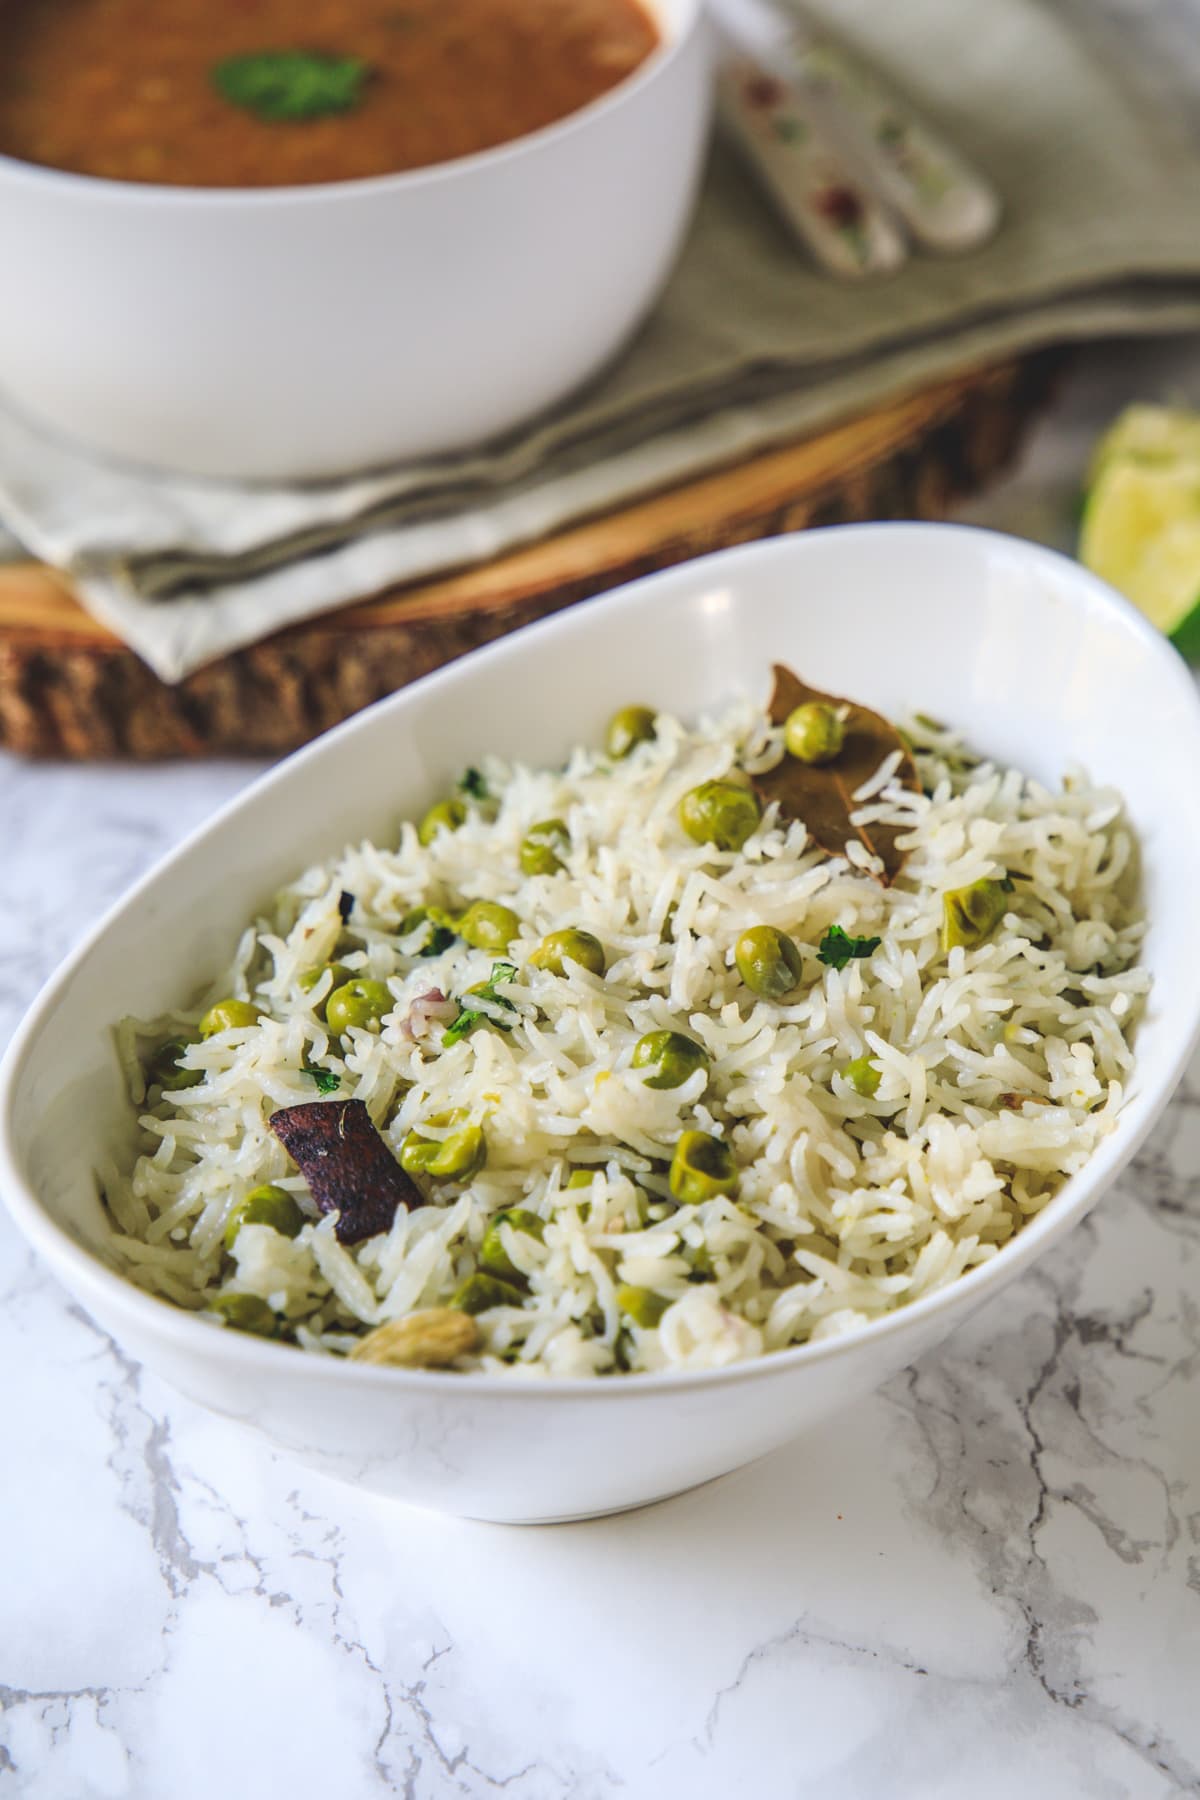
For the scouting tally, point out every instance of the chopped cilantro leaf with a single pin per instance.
(470, 1014)
(473, 783)
(837, 947)
(286, 86)
(326, 1081)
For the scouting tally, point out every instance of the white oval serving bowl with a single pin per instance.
(1038, 661)
(299, 332)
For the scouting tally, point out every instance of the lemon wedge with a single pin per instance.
(1150, 434)
(1141, 520)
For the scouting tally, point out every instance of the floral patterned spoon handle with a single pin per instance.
(947, 206)
(790, 147)
(907, 165)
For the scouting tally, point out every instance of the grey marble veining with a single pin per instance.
(984, 1581)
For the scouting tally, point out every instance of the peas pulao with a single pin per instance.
(620, 1066)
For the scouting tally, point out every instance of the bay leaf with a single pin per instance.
(349, 1168)
(822, 794)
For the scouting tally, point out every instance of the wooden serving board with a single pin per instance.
(69, 688)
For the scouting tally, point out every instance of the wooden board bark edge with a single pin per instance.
(68, 688)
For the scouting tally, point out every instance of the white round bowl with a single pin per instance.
(1039, 662)
(295, 332)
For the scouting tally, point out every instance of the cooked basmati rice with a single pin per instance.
(1000, 1067)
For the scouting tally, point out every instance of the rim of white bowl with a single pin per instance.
(669, 48)
(1067, 1206)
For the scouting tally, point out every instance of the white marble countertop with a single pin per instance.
(984, 1582)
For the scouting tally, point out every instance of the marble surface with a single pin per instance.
(985, 1581)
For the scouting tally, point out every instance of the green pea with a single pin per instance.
(719, 813)
(441, 919)
(632, 725)
(538, 855)
(164, 1066)
(265, 1205)
(441, 928)
(357, 1002)
(440, 925)
(814, 733)
(486, 925)
(493, 1256)
(246, 1312)
(863, 1075)
(447, 815)
(768, 961)
(479, 1292)
(308, 978)
(701, 1168)
(672, 1056)
(228, 1015)
(971, 914)
(582, 1178)
(641, 1305)
(456, 1157)
(700, 1262)
(569, 946)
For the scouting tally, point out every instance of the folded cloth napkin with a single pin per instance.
(749, 346)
